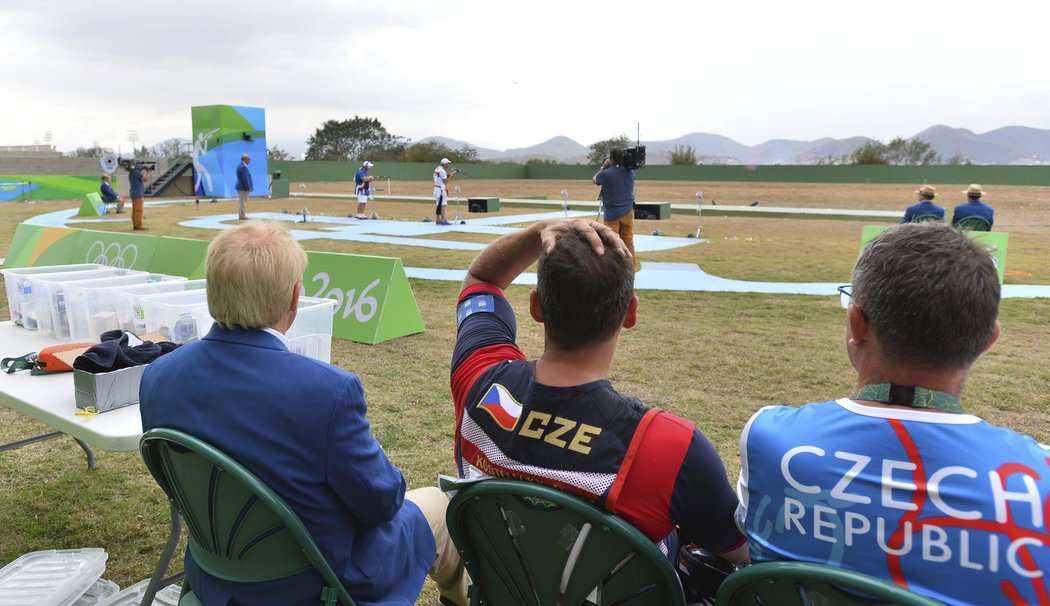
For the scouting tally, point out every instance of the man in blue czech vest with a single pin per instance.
(897, 481)
(557, 420)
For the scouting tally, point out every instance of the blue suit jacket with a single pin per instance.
(298, 424)
(926, 207)
(108, 195)
(971, 208)
(244, 178)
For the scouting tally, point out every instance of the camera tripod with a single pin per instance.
(457, 219)
(699, 211)
(302, 194)
(375, 207)
(372, 196)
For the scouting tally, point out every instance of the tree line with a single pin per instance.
(364, 138)
(900, 152)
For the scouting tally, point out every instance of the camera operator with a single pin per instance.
(138, 176)
(617, 196)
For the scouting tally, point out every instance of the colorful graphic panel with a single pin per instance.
(221, 133)
(374, 301)
(25, 188)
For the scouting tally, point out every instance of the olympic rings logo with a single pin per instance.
(112, 254)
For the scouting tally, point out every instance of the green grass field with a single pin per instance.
(714, 358)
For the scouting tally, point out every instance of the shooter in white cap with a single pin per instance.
(363, 188)
(441, 178)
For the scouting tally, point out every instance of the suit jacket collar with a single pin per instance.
(244, 336)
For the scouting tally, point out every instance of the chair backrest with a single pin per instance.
(240, 530)
(924, 218)
(974, 223)
(532, 545)
(803, 583)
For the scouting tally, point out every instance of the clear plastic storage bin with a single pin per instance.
(57, 577)
(171, 315)
(91, 305)
(310, 335)
(15, 282)
(98, 593)
(130, 315)
(43, 301)
(132, 596)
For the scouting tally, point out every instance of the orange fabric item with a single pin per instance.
(46, 360)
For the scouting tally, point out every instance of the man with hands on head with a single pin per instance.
(557, 420)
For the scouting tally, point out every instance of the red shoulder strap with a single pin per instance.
(641, 493)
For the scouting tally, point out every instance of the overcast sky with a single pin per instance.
(504, 74)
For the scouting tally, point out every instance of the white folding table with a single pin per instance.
(49, 399)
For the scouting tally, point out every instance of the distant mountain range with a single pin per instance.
(1007, 145)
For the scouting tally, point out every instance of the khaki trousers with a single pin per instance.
(242, 204)
(136, 212)
(624, 227)
(448, 572)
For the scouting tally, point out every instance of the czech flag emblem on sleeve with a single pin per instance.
(504, 409)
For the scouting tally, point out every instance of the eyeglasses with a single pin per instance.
(846, 298)
(845, 295)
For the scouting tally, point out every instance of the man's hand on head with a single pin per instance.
(591, 230)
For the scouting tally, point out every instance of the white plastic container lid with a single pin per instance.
(44, 269)
(168, 596)
(97, 593)
(51, 578)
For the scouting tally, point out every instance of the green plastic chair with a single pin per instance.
(974, 223)
(806, 584)
(924, 218)
(240, 530)
(531, 545)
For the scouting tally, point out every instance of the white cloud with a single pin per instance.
(513, 74)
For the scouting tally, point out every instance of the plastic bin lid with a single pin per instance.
(42, 269)
(168, 596)
(51, 578)
(97, 593)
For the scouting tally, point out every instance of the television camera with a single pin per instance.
(110, 161)
(130, 164)
(633, 157)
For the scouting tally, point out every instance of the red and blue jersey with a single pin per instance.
(946, 505)
(655, 470)
(362, 187)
